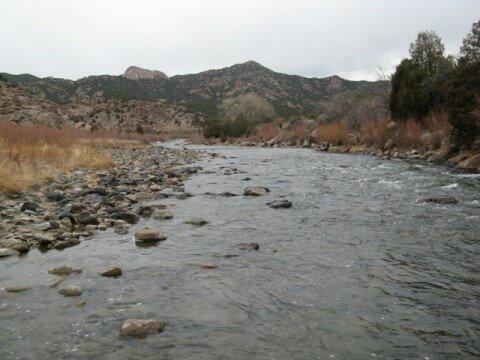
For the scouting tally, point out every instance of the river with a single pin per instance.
(359, 268)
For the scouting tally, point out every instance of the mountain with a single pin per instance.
(135, 73)
(202, 92)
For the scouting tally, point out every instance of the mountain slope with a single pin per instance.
(202, 92)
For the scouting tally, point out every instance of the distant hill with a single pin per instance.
(202, 92)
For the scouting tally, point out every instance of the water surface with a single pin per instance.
(359, 267)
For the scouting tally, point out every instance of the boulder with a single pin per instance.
(126, 216)
(282, 203)
(146, 236)
(141, 328)
(6, 252)
(29, 205)
(71, 290)
(255, 191)
(112, 272)
(55, 196)
(197, 222)
(470, 164)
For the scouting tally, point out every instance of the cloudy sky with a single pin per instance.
(314, 38)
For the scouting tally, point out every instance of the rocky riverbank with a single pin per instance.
(467, 160)
(76, 205)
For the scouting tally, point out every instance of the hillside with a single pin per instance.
(202, 92)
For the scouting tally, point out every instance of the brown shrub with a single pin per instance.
(333, 133)
(267, 132)
(375, 133)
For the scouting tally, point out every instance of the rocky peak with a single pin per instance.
(135, 73)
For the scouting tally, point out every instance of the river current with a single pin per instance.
(359, 268)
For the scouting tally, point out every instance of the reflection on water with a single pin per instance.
(359, 267)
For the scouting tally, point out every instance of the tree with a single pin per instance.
(427, 52)
(255, 108)
(408, 98)
(470, 50)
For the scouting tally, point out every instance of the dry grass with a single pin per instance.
(426, 135)
(333, 133)
(31, 155)
(375, 133)
(193, 135)
(267, 132)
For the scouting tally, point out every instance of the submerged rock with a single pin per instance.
(208, 266)
(146, 236)
(256, 191)
(18, 288)
(277, 204)
(141, 328)
(64, 270)
(197, 222)
(121, 229)
(162, 214)
(442, 200)
(248, 246)
(71, 290)
(112, 272)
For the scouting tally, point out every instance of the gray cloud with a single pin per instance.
(72, 39)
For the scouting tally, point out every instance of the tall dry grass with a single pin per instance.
(267, 132)
(375, 133)
(31, 155)
(425, 135)
(333, 133)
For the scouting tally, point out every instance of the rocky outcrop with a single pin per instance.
(135, 73)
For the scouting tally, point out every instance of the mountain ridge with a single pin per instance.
(203, 91)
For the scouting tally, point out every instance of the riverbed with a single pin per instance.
(359, 267)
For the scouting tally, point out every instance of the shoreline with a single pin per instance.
(466, 161)
(77, 204)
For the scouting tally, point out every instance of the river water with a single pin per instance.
(360, 267)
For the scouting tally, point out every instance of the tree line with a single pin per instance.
(430, 81)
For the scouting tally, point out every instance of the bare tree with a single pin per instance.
(255, 108)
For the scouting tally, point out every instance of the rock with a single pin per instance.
(55, 196)
(18, 288)
(44, 226)
(121, 229)
(90, 228)
(29, 205)
(442, 200)
(159, 206)
(442, 154)
(146, 235)
(112, 272)
(80, 303)
(141, 328)
(6, 252)
(227, 194)
(225, 256)
(197, 222)
(277, 204)
(15, 244)
(247, 246)
(155, 187)
(126, 216)
(64, 270)
(306, 143)
(256, 191)
(162, 214)
(388, 144)
(208, 266)
(145, 211)
(98, 190)
(55, 282)
(71, 290)
(470, 164)
(44, 240)
(89, 220)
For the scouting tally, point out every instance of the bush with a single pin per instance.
(375, 133)
(224, 129)
(333, 133)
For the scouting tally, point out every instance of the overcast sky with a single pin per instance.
(314, 38)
